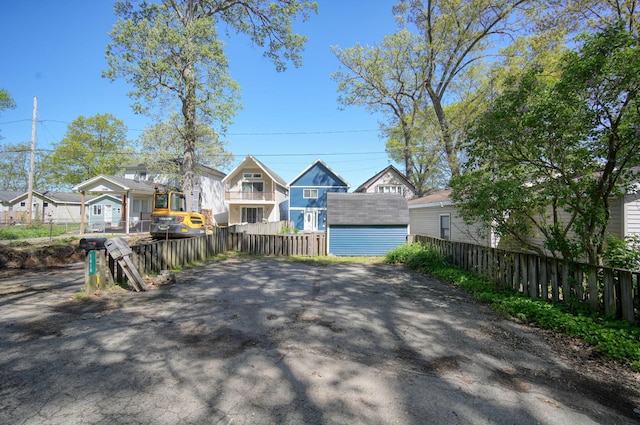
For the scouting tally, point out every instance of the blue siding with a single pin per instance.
(365, 240)
(316, 177)
(296, 199)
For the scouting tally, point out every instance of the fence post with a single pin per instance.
(592, 278)
(609, 293)
(533, 276)
(626, 295)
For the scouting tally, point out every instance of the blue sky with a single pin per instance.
(55, 51)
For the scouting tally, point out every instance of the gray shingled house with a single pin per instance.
(366, 223)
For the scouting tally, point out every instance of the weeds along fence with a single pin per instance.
(607, 290)
(151, 258)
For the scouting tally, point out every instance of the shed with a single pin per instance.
(366, 223)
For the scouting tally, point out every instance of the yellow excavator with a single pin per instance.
(170, 218)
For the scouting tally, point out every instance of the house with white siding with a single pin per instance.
(47, 206)
(436, 215)
(389, 180)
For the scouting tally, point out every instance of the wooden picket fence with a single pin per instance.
(299, 244)
(610, 291)
(151, 258)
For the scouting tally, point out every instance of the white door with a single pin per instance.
(310, 220)
(108, 214)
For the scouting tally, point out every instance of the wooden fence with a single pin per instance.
(303, 244)
(607, 290)
(151, 258)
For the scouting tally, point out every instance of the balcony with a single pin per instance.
(249, 197)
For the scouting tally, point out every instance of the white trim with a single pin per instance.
(310, 192)
(432, 204)
(319, 161)
(440, 225)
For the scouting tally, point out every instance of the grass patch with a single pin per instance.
(612, 338)
(330, 259)
(33, 231)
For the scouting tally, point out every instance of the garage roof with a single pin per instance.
(366, 209)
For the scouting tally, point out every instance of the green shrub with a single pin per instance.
(615, 339)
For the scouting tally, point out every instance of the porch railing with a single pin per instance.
(249, 196)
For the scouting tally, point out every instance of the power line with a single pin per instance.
(300, 133)
(315, 154)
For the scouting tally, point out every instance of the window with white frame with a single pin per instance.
(23, 204)
(390, 189)
(97, 209)
(310, 193)
(445, 226)
(252, 175)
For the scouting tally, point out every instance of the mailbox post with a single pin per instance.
(95, 249)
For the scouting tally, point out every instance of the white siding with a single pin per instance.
(426, 221)
(390, 179)
(632, 213)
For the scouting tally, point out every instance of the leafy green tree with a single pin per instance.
(455, 35)
(14, 166)
(387, 79)
(162, 148)
(172, 54)
(91, 146)
(6, 101)
(551, 154)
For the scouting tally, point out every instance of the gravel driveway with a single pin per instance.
(275, 342)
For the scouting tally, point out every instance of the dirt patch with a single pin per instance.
(14, 259)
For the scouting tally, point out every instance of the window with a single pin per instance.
(252, 215)
(23, 204)
(252, 190)
(445, 226)
(390, 189)
(97, 209)
(253, 186)
(252, 175)
(45, 204)
(310, 193)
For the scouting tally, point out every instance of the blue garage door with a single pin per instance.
(365, 240)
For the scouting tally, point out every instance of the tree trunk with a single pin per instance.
(447, 141)
(190, 137)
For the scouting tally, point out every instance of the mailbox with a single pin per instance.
(92, 244)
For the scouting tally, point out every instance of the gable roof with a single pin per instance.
(105, 183)
(313, 164)
(102, 197)
(363, 187)
(249, 158)
(436, 198)
(8, 195)
(53, 197)
(141, 166)
(366, 209)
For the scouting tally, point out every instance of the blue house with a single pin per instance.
(308, 196)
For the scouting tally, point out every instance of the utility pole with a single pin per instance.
(32, 160)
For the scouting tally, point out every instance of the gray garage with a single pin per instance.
(366, 223)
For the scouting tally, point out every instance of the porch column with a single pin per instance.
(82, 211)
(127, 210)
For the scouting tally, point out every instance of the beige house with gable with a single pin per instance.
(254, 193)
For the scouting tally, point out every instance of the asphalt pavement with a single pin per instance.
(267, 341)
